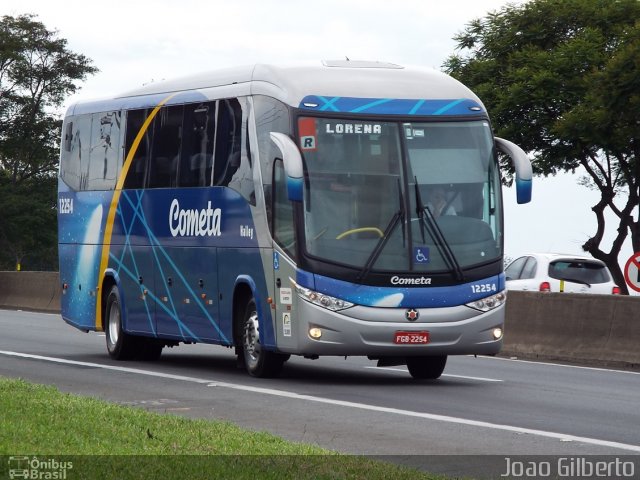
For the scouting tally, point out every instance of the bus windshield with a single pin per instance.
(390, 196)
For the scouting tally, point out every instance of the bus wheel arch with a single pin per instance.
(120, 345)
(257, 360)
(108, 282)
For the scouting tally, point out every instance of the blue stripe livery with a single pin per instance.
(402, 297)
(170, 291)
(392, 106)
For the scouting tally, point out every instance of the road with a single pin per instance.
(480, 406)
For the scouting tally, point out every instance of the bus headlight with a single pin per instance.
(489, 303)
(326, 301)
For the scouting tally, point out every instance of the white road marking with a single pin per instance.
(404, 370)
(361, 406)
(565, 365)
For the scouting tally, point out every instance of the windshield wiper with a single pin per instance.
(575, 280)
(397, 218)
(427, 220)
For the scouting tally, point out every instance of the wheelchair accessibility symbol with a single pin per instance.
(421, 254)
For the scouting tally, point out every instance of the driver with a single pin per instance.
(438, 203)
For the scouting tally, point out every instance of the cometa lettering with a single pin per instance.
(396, 280)
(194, 223)
(355, 128)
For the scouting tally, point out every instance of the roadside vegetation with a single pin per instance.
(105, 440)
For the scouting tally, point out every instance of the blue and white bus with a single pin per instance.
(343, 208)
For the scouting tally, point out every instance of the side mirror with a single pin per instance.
(292, 165)
(524, 172)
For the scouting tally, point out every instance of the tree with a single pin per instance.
(37, 72)
(562, 79)
(28, 236)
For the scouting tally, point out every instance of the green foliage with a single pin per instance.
(28, 224)
(37, 72)
(562, 79)
(104, 440)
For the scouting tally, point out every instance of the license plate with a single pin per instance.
(411, 338)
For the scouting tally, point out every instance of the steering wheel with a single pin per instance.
(346, 233)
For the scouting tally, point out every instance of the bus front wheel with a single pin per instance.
(426, 368)
(258, 361)
(120, 344)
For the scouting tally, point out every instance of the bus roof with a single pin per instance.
(291, 84)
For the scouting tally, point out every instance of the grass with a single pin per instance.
(105, 440)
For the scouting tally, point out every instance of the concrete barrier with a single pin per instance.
(585, 329)
(38, 291)
(597, 329)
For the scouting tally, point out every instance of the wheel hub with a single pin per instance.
(114, 325)
(252, 337)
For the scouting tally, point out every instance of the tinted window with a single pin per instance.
(137, 171)
(283, 226)
(165, 149)
(75, 166)
(196, 160)
(242, 179)
(228, 141)
(271, 116)
(187, 145)
(580, 271)
(69, 158)
(105, 146)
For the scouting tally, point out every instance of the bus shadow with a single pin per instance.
(301, 371)
(222, 366)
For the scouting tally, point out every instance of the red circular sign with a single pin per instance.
(632, 272)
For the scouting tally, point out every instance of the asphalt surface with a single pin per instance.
(479, 407)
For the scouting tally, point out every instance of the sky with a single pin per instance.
(139, 41)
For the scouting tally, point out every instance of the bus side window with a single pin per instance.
(228, 142)
(81, 148)
(137, 170)
(196, 159)
(69, 160)
(165, 149)
(232, 164)
(105, 145)
(283, 226)
(271, 116)
(68, 136)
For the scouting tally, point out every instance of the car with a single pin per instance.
(554, 272)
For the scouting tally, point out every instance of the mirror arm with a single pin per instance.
(522, 164)
(292, 164)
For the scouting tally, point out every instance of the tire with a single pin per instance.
(120, 345)
(149, 349)
(426, 368)
(258, 361)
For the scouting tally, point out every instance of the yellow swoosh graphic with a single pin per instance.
(108, 231)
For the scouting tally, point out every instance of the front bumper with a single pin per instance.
(370, 331)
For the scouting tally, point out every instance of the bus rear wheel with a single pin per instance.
(120, 345)
(258, 361)
(426, 368)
